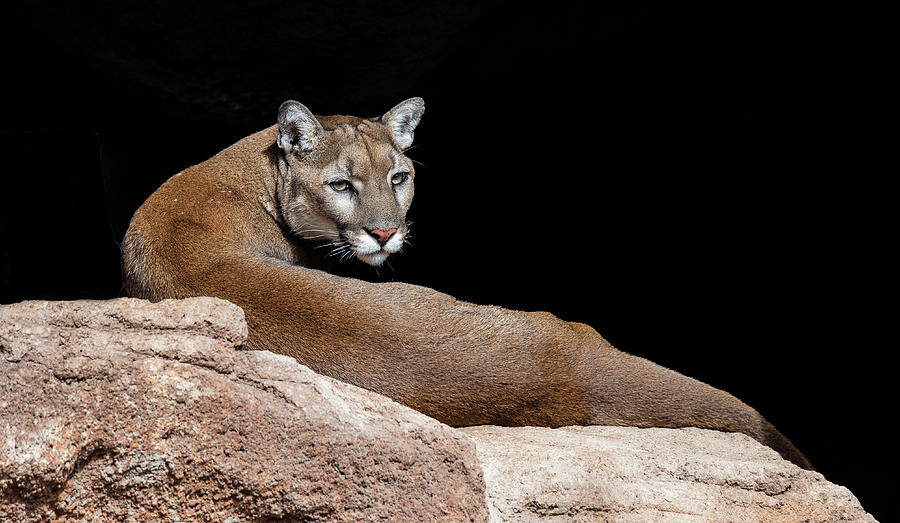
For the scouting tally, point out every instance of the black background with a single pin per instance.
(713, 190)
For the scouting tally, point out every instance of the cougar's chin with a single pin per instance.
(374, 259)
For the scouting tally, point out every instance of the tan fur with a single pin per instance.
(219, 229)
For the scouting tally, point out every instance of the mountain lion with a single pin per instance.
(244, 226)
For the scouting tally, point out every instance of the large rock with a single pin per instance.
(126, 410)
(630, 474)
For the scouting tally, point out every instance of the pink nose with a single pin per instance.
(382, 236)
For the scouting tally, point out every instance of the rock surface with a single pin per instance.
(126, 410)
(631, 474)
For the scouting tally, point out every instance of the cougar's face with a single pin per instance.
(347, 180)
(354, 193)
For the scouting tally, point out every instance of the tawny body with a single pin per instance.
(221, 228)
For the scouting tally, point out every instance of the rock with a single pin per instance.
(632, 474)
(127, 410)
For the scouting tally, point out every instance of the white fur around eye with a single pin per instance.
(400, 180)
(344, 204)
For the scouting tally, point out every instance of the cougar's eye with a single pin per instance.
(340, 186)
(399, 178)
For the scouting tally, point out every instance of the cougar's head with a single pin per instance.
(345, 180)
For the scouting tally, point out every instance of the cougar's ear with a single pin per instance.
(298, 129)
(403, 119)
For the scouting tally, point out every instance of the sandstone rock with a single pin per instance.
(632, 474)
(126, 410)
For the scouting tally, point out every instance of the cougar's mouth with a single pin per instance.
(373, 246)
(370, 246)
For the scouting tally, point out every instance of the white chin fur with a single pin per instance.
(375, 259)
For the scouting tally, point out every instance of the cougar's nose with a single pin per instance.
(382, 236)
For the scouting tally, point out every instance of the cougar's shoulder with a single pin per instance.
(220, 205)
